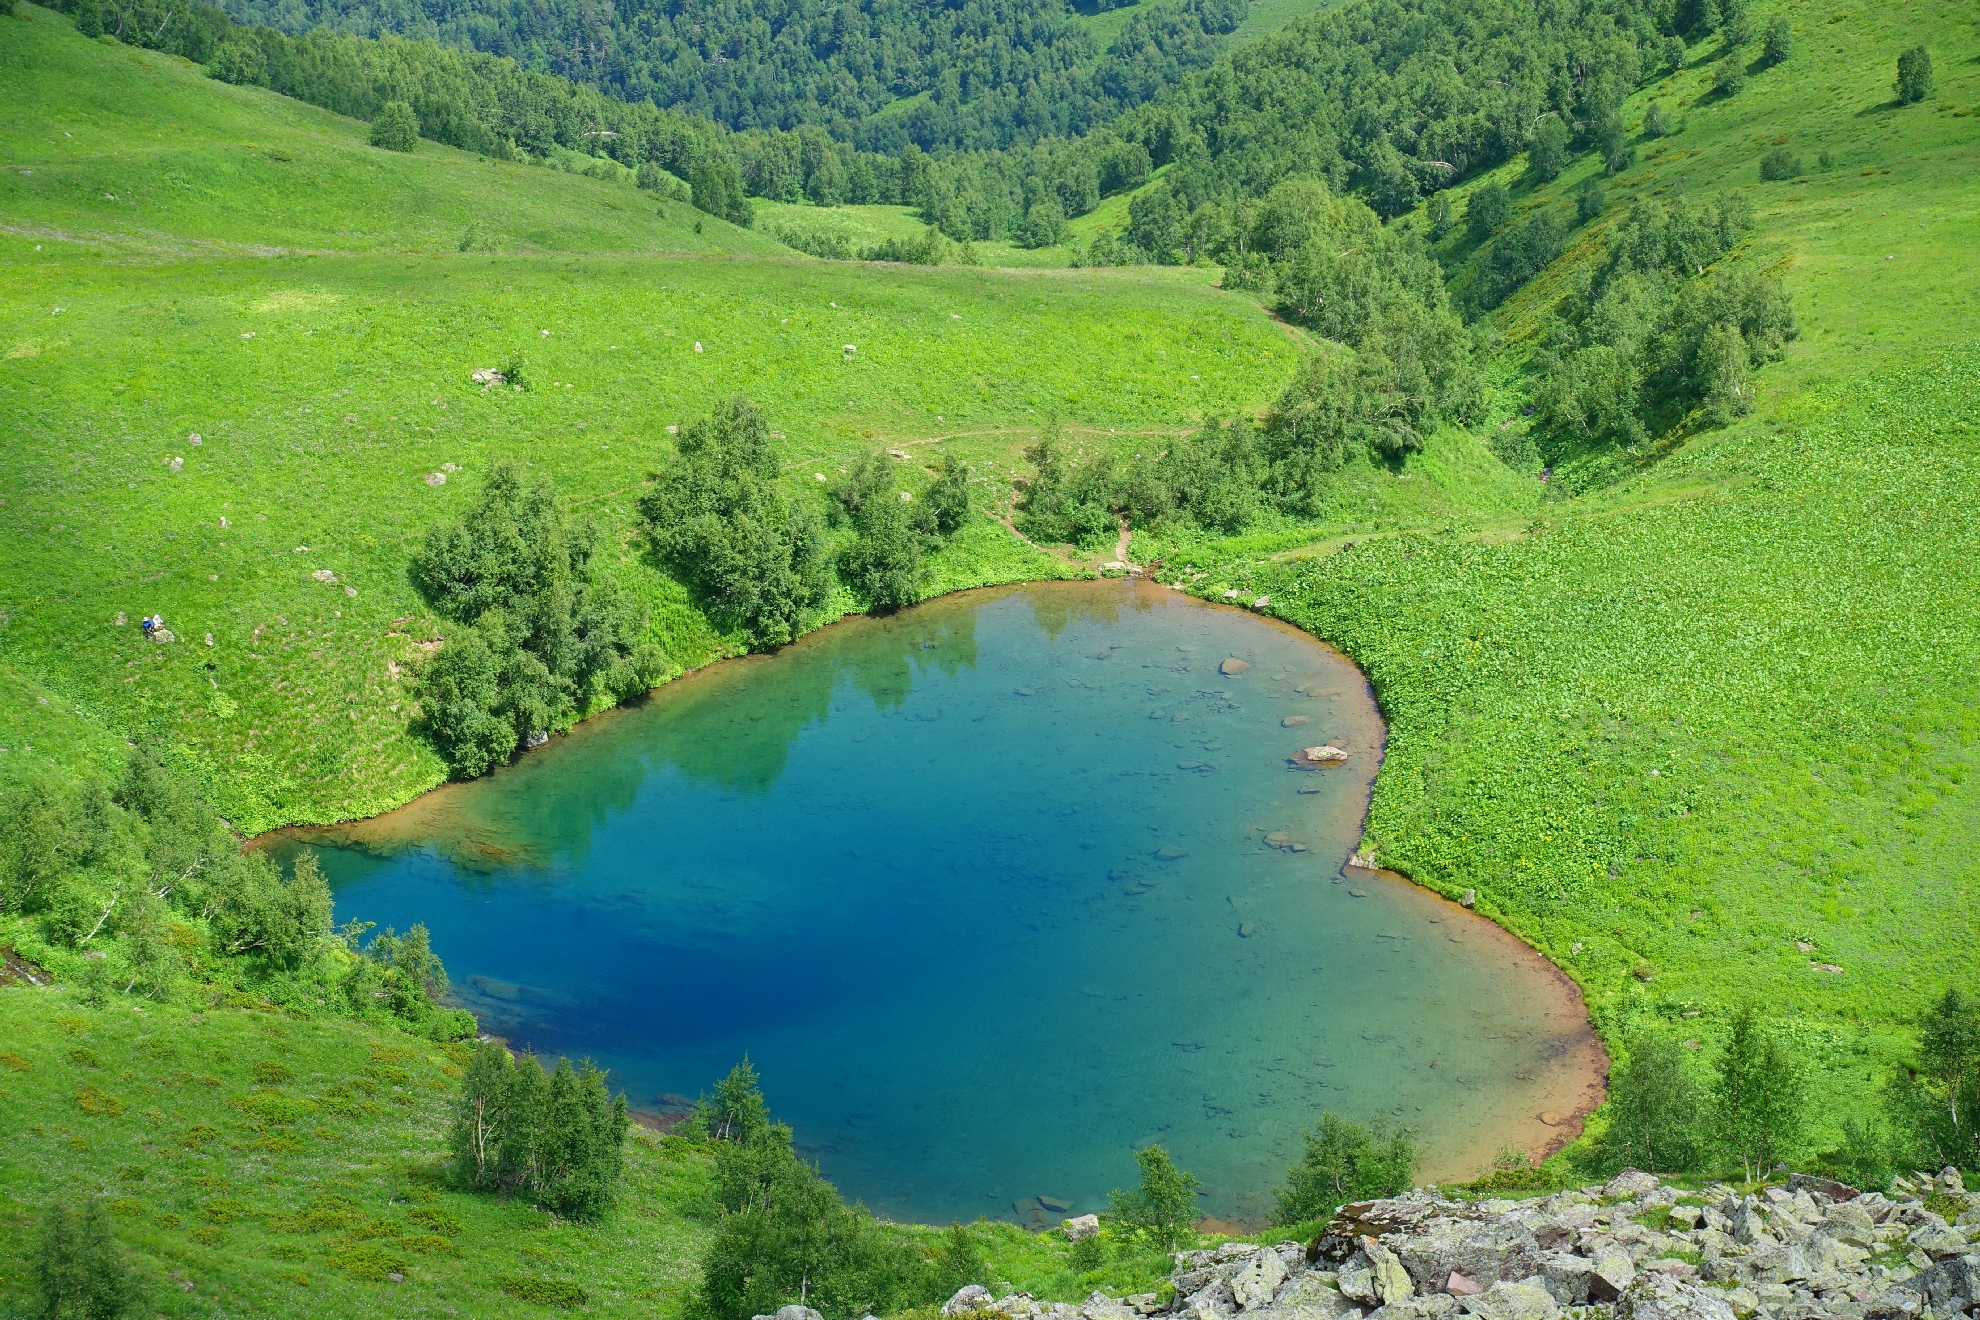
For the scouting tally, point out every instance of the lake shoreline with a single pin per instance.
(1574, 1081)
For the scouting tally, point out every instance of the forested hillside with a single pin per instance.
(985, 74)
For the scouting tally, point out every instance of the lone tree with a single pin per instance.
(1345, 1161)
(1780, 40)
(1914, 80)
(1759, 1098)
(1547, 149)
(1164, 1206)
(396, 128)
(79, 1271)
(1653, 1111)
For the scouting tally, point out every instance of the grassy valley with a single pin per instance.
(1693, 715)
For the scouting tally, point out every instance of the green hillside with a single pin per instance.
(327, 378)
(1694, 714)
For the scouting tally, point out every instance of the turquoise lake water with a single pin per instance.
(991, 892)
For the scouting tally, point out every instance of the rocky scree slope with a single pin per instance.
(1628, 1250)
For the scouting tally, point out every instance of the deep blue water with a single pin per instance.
(984, 891)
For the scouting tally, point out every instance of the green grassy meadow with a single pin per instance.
(328, 386)
(1699, 722)
(260, 1163)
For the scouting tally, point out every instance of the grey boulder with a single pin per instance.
(1526, 1300)
(1255, 1284)
(1662, 1297)
(969, 1297)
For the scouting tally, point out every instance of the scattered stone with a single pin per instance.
(697, 346)
(1470, 899)
(536, 739)
(435, 478)
(324, 575)
(1830, 968)
(1796, 1252)
(1550, 1118)
(970, 1297)
(487, 376)
(1314, 758)
(175, 463)
(1232, 666)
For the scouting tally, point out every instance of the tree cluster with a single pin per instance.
(140, 889)
(785, 1235)
(146, 872)
(1209, 482)
(717, 519)
(557, 1138)
(892, 528)
(983, 75)
(1654, 337)
(79, 1271)
(1345, 1161)
(1748, 1111)
(543, 631)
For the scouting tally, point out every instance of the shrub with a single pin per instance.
(1590, 200)
(1441, 216)
(1343, 1162)
(1546, 151)
(396, 128)
(1730, 80)
(1066, 501)
(785, 1234)
(1778, 165)
(547, 1292)
(1044, 224)
(241, 63)
(883, 563)
(1914, 76)
(78, 1269)
(715, 185)
(1487, 209)
(1725, 373)
(1778, 44)
(1936, 1109)
(1521, 253)
(944, 507)
(1657, 121)
(1163, 1207)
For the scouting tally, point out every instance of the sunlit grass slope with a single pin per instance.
(110, 149)
(1707, 736)
(258, 1163)
(327, 387)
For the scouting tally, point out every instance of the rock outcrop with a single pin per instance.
(1812, 1249)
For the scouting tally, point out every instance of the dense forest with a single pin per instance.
(987, 73)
